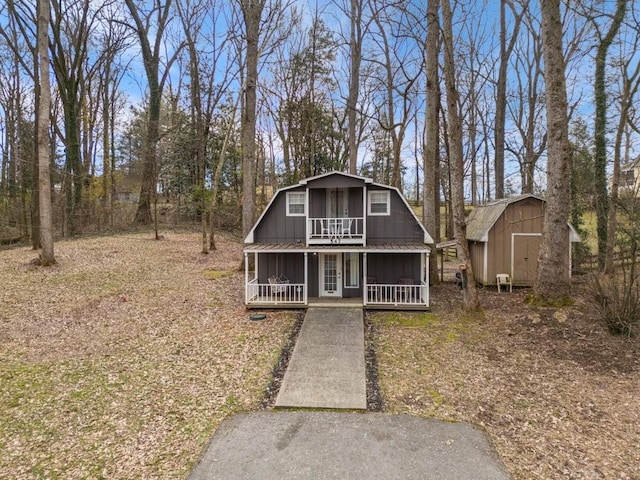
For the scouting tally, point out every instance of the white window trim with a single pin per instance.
(304, 203)
(354, 272)
(380, 214)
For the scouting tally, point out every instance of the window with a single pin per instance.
(379, 202)
(628, 178)
(351, 270)
(295, 204)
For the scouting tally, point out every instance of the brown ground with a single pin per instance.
(120, 361)
(558, 395)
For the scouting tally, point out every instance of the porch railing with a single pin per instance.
(391, 294)
(336, 230)
(281, 293)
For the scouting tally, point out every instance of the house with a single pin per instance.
(630, 178)
(337, 236)
(504, 238)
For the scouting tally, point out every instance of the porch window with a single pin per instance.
(379, 203)
(351, 270)
(295, 204)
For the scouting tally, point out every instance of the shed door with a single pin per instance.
(524, 258)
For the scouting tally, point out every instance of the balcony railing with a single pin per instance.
(336, 230)
(275, 294)
(391, 294)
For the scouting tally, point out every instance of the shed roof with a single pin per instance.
(483, 217)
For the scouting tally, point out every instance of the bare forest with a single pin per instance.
(120, 118)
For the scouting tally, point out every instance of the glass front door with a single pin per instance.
(331, 275)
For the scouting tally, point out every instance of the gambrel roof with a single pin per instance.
(365, 182)
(483, 217)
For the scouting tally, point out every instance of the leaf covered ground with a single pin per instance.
(120, 361)
(558, 395)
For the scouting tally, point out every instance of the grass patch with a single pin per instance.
(407, 319)
(214, 274)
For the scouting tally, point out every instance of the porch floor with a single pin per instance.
(328, 302)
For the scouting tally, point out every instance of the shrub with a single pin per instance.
(617, 300)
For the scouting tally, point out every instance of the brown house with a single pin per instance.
(338, 237)
(505, 236)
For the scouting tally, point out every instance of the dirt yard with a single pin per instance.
(558, 395)
(120, 361)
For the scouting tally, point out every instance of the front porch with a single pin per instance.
(301, 277)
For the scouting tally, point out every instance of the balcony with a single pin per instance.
(345, 231)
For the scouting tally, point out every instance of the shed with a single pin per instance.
(504, 237)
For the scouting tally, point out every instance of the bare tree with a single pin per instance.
(24, 20)
(553, 280)
(431, 166)
(252, 14)
(456, 161)
(400, 68)
(149, 21)
(600, 127)
(356, 36)
(630, 84)
(47, 256)
(506, 49)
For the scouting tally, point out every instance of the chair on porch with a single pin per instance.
(278, 284)
(345, 231)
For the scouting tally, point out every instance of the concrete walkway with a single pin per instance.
(346, 446)
(327, 367)
(327, 370)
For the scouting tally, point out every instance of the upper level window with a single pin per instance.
(379, 202)
(628, 178)
(295, 204)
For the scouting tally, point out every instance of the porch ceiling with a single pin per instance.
(302, 248)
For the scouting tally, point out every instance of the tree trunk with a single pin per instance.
(151, 59)
(355, 58)
(629, 90)
(553, 282)
(252, 11)
(456, 161)
(431, 166)
(44, 179)
(600, 131)
(501, 94)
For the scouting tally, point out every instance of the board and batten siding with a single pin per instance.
(400, 226)
(277, 227)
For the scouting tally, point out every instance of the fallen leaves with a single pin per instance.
(557, 394)
(121, 360)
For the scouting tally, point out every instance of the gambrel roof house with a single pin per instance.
(504, 238)
(338, 236)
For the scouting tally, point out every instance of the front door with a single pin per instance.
(330, 275)
(338, 203)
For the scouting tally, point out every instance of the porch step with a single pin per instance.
(327, 367)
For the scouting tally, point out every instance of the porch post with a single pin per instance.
(365, 287)
(246, 278)
(364, 215)
(255, 265)
(305, 296)
(427, 258)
